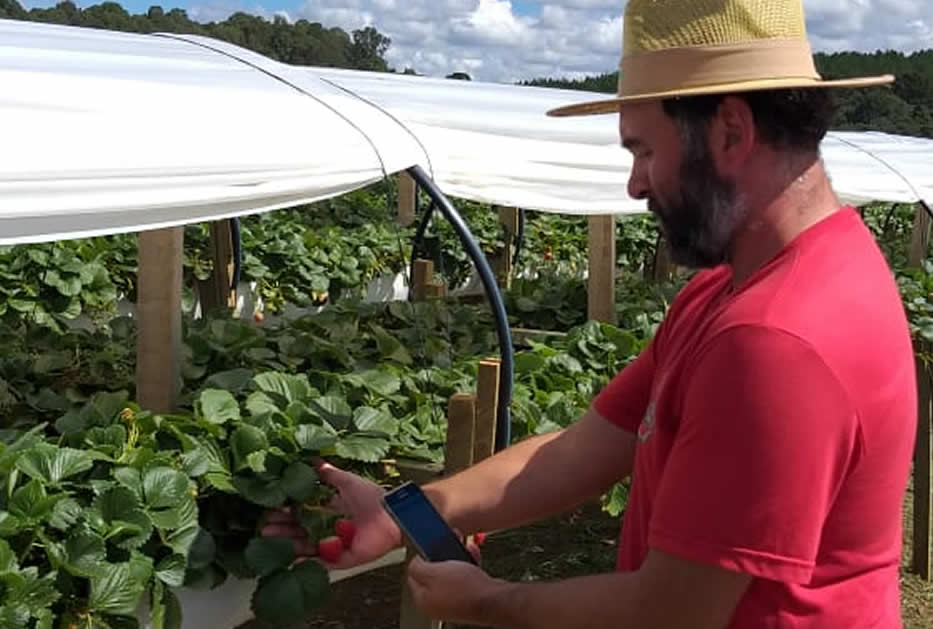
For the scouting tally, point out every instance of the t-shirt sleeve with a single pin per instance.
(766, 435)
(623, 401)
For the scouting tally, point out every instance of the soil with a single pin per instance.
(579, 543)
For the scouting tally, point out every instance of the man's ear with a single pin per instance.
(732, 135)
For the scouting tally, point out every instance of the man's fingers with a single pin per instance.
(280, 516)
(283, 530)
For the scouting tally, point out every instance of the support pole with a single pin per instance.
(216, 292)
(601, 286)
(422, 278)
(158, 344)
(922, 564)
(407, 189)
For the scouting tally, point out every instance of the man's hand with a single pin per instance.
(358, 499)
(451, 591)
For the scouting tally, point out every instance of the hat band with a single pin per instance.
(690, 67)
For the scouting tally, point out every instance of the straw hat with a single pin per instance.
(689, 47)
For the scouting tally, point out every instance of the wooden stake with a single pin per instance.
(407, 190)
(920, 238)
(422, 276)
(158, 343)
(923, 476)
(601, 286)
(487, 404)
(461, 428)
(215, 292)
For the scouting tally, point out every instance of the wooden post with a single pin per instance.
(215, 292)
(407, 191)
(602, 269)
(422, 276)
(920, 238)
(461, 417)
(923, 476)
(487, 404)
(158, 344)
(663, 264)
(461, 428)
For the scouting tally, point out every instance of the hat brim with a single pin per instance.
(611, 105)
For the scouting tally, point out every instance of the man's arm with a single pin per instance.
(666, 593)
(536, 478)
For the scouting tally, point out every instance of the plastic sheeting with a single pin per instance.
(107, 132)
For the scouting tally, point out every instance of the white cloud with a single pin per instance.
(493, 41)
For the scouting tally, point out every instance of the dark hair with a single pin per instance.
(793, 120)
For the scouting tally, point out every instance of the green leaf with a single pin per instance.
(233, 380)
(171, 570)
(179, 516)
(8, 562)
(286, 387)
(315, 438)
(85, 552)
(164, 487)
(166, 609)
(300, 481)
(196, 462)
(116, 502)
(378, 381)
(528, 362)
(30, 502)
(180, 540)
(65, 513)
(51, 464)
(203, 550)
(368, 419)
(362, 448)
(264, 493)
(218, 406)
(259, 403)
(130, 478)
(245, 440)
(119, 589)
(265, 555)
(334, 410)
(10, 525)
(277, 600)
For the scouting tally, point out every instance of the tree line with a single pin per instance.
(299, 43)
(906, 108)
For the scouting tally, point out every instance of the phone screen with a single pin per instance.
(424, 526)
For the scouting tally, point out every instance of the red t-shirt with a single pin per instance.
(776, 428)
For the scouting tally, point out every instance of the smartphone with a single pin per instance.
(424, 527)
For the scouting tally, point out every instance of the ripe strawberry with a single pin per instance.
(346, 531)
(330, 548)
(479, 538)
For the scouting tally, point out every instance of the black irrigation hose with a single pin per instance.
(507, 367)
(519, 237)
(237, 252)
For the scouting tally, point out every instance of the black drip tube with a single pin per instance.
(507, 368)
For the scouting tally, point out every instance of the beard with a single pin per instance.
(699, 227)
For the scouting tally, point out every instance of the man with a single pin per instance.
(770, 424)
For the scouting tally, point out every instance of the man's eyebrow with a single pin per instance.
(632, 143)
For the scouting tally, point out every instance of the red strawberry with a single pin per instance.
(479, 538)
(346, 531)
(330, 548)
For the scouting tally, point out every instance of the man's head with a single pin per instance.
(727, 81)
(704, 162)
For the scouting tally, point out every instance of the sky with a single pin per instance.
(509, 41)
